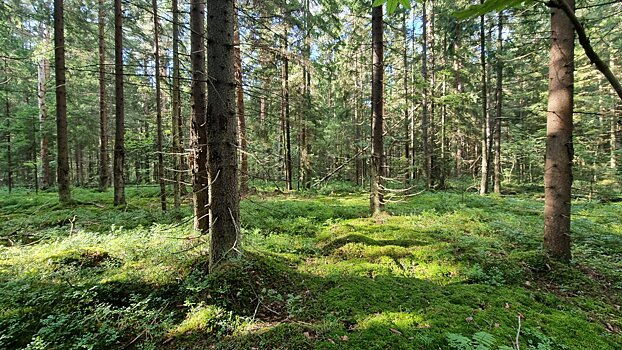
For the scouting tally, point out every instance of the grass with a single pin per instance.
(439, 270)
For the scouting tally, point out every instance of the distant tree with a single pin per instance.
(64, 191)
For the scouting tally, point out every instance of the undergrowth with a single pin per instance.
(445, 270)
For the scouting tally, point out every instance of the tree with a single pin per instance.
(498, 107)
(485, 119)
(239, 92)
(64, 192)
(176, 124)
(119, 135)
(43, 74)
(377, 105)
(200, 179)
(559, 150)
(104, 170)
(160, 135)
(222, 134)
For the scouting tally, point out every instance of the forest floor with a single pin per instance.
(439, 271)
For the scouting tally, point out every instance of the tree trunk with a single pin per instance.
(285, 125)
(104, 170)
(499, 107)
(160, 136)
(198, 136)
(119, 134)
(239, 91)
(406, 98)
(9, 152)
(64, 191)
(427, 159)
(559, 150)
(305, 161)
(43, 74)
(483, 188)
(176, 110)
(377, 104)
(222, 134)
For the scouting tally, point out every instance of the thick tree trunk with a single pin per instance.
(559, 150)
(104, 170)
(198, 136)
(160, 134)
(119, 134)
(239, 91)
(485, 125)
(64, 191)
(176, 110)
(225, 240)
(377, 104)
(499, 107)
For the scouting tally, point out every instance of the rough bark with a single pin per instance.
(9, 152)
(222, 134)
(64, 192)
(119, 134)
(160, 136)
(559, 151)
(176, 110)
(377, 104)
(198, 135)
(406, 97)
(104, 170)
(498, 108)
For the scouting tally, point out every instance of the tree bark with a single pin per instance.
(406, 98)
(160, 136)
(9, 152)
(483, 188)
(119, 135)
(377, 103)
(104, 170)
(499, 108)
(559, 150)
(285, 124)
(176, 110)
(43, 74)
(427, 159)
(64, 192)
(198, 136)
(225, 240)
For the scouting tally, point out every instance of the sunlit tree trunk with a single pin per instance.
(43, 74)
(559, 150)
(483, 188)
(425, 145)
(62, 143)
(285, 124)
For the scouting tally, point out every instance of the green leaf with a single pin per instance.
(392, 6)
(405, 3)
(378, 3)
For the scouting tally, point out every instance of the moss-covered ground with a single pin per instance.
(437, 271)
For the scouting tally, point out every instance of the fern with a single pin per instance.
(484, 340)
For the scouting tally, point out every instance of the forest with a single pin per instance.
(311, 174)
